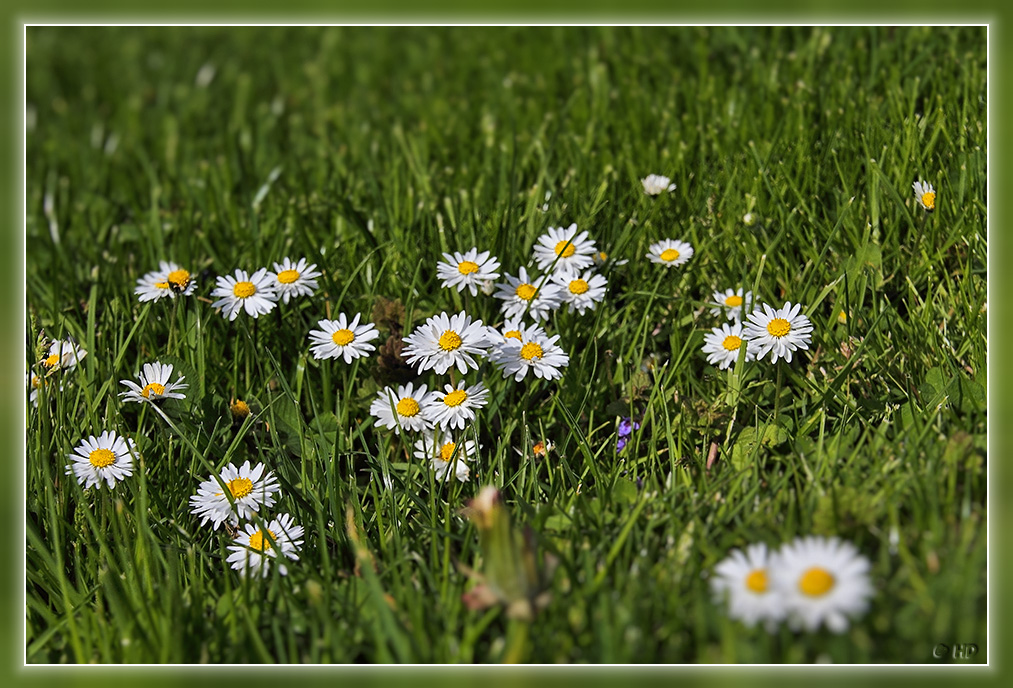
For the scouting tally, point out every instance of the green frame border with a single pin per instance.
(12, 248)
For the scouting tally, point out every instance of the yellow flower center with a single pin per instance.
(158, 389)
(732, 343)
(162, 285)
(929, 200)
(842, 317)
(450, 341)
(525, 292)
(466, 267)
(756, 581)
(240, 487)
(179, 278)
(530, 351)
(602, 256)
(669, 254)
(538, 449)
(778, 327)
(36, 382)
(51, 360)
(578, 286)
(244, 290)
(447, 451)
(816, 582)
(288, 276)
(343, 337)
(565, 249)
(100, 458)
(733, 301)
(240, 409)
(408, 407)
(513, 334)
(455, 398)
(260, 543)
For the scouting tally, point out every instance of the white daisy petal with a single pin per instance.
(731, 303)
(454, 407)
(655, 184)
(446, 341)
(445, 455)
(64, 354)
(254, 548)
(250, 489)
(582, 291)
(722, 345)
(170, 280)
(743, 579)
(470, 269)
(925, 194)
(293, 279)
(564, 249)
(821, 581)
(254, 293)
(670, 252)
(400, 408)
(343, 339)
(154, 384)
(107, 458)
(531, 295)
(533, 351)
(782, 331)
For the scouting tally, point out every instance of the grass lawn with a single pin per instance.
(371, 152)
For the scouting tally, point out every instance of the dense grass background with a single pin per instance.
(370, 151)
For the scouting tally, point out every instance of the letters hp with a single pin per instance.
(964, 651)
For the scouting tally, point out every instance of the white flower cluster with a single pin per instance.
(778, 332)
(239, 493)
(809, 582)
(255, 294)
(563, 273)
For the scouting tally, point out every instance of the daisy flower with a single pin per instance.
(155, 385)
(534, 295)
(169, 280)
(821, 581)
(602, 259)
(926, 195)
(446, 455)
(722, 345)
(405, 403)
(454, 407)
(253, 293)
(581, 290)
(534, 352)
(744, 579)
(342, 339)
(254, 547)
(294, 279)
(471, 269)
(34, 384)
(107, 457)
(730, 303)
(781, 331)
(251, 488)
(565, 248)
(445, 341)
(64, 354)
(670, 252)
(513, 328)
(655, 184)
